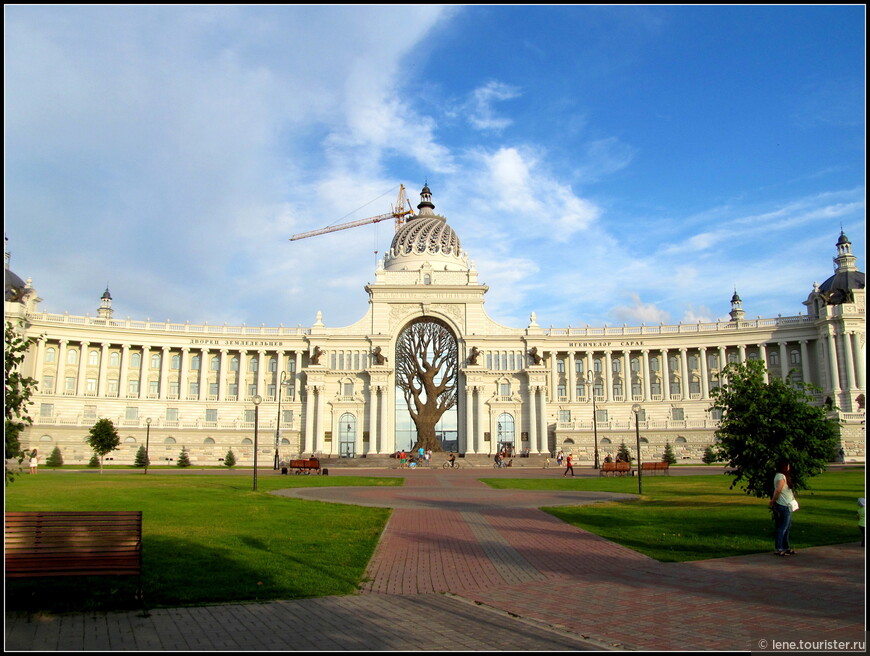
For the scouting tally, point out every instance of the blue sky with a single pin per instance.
(601, 165)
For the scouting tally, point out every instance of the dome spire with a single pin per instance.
(426, 205)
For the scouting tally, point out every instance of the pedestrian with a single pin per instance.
(421, 452)
(559, 457)
(34, 462)
(783, 504)
(842, 455)
(861, 518)
(402, 459)
(428, 456)
(569, 466)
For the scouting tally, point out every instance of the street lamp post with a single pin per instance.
(636, 410)
(590, 379)
(147, 439)
(257, 399)
(278, 425)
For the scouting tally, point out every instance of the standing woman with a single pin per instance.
(34, 462)
(781, 503)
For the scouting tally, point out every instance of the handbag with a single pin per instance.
(794, 505)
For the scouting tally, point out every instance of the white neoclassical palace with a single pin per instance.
(332, 390)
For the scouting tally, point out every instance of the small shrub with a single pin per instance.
(94, 462)
(183, 458)
(230, 459)
(623, 453)
(709, 456)
(669, 456)
(142, 458)
(54, 459)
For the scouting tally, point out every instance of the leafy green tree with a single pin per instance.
(230, 459)
(103, 438)
(668, 455)
(763, 423)
(623, 453)
(183, 459)
(141, 459)
(709, 456)
(19, 389)
(54, 459)
(94, 462)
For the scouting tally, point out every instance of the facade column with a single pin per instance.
(542, 435)
(144, 366)
(589, 362)
(165, 357)
(762, 354)
(572, 378)
(280, 369)
(784, 362)
(705, 381)
(262, 365)
(308, 444)
(626, 376)
(243, 375)
(373, 420)
(741, 353)
(203, 375)
(61, 367)
(104, 369)
(858, 356)
(646, 378)
(470, 444)
(805, 361)
(554, 375)
(666, 376)
(183, 368)
(533, 420)
(125, 371)
(832, 358)
(297, 379)
(608, 376)
(222, 374)
(723, 361)
(684, 374)
(40, 360)
(482, 424)
(850, 364)
(82, 373)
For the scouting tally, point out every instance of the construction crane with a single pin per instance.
(399, 213)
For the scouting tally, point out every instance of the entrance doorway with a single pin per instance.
(347, 436)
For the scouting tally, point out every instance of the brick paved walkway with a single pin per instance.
(463, 567)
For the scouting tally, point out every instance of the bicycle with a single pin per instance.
(450, 465)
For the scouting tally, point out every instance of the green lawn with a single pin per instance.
(682, 518)
(208, 538)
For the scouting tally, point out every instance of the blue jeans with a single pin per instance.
(782, 517)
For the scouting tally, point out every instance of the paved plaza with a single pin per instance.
(463, 567)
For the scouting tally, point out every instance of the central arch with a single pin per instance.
(427, 374)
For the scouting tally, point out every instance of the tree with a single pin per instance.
(103, 438)
(183, 459)
(142, 458)
(426, 371)
(94, 462)
(763, 423)
(230, 459)
(709, 456)
(623, 453)
(19, 389)
(54, 459)
(668, 455)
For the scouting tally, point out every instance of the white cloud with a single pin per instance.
(481, 114)
(639, 312)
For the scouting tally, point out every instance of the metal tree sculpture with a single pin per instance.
(426, 371)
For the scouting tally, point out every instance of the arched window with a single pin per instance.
(216, 363)
(135, 360)
(234, 363)
(654, 364)
(94, 358)
(569, 441)
(693, 362)
(254, 365)
(155, 361)
(247, 441)
(616, 365)
(596, 365)
(175, 363)
(643, 440)
(194, 363)
(753, 356)
(208, 440)
(50, 354)
(115, 359)
(506, 429)
(130, 439)
(674, 363)
(795, 357)
(680, 440)
(45, 438)
(604, 440)
(169, 440)
(773, 356)
(273, 364)
(72, 356)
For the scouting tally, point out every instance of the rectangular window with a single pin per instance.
(677, 414)
(194, 389)
(641, 415)
(348, 389)
(47, 384)
(234, 389)
(270, 391)
(90, 412)
(153, 386)
(91, 385)
(211, 414)
(70, 384)
(564, 416)
(561, 391)
(636, 389)
(560, 366)
(252, 389)
(46, 409)
(131, 413)
(601, 415)
(213, 389)
(288, 416)
(581, 391)
(249, 416)
(173, 387)
(112, 386)
(133, 386)
(171, 414)
(505, 389)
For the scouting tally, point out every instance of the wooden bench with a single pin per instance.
(655, 467)
(615, 468)
(103, 543)
(307, 465)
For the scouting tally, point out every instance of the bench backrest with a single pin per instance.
(622, 466)
(42, 543)
(313, 463)
(608, 466)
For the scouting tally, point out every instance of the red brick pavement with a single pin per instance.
(526, 562)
